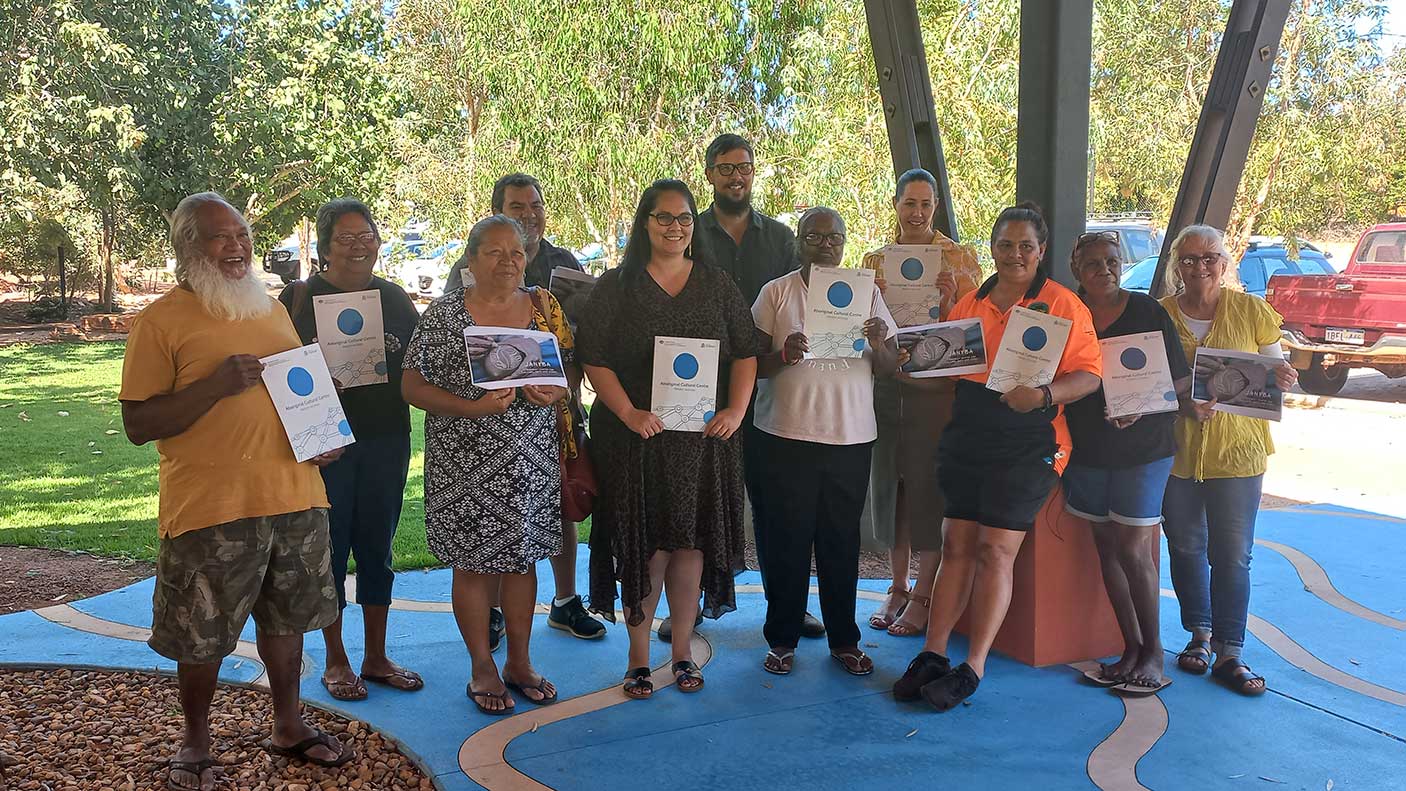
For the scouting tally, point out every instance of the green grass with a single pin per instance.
(58, 491)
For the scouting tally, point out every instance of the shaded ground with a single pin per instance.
(115, 730)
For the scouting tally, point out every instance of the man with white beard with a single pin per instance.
(243, 526)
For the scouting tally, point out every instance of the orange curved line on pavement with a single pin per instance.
(482, 756)
(1315, 580)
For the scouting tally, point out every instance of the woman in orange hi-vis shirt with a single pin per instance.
(1000, 457)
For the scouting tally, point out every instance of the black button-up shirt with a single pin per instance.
(537, 273)
(768, 251)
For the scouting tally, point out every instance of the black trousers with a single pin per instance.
(753, 466)
(366, 488)
(815, 496)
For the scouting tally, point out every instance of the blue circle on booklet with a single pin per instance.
(859, 344)
(708, 416)
(344, 428)
(1034, 339)
(934, 312)
(911, 268)
(380, 369)
(300, 381)
(350, 321)
(685, 366)
(1133, 359)
(840, 295)
(1169, 396)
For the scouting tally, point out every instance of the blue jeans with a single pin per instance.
(1210, 527)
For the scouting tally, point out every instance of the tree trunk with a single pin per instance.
(106, 241)
(304, 251)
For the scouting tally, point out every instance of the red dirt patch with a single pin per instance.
(33, 578)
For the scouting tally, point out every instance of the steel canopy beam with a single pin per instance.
(906, 92)
(1052, 148)
(1226, 128)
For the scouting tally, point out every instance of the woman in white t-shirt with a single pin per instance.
(816, 430)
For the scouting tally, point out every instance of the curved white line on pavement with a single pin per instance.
(1316, 581)
(64, 615)
(482, 756)
(1396, 520)
(1299, 657)
(1113, 763)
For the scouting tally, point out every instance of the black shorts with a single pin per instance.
(1004, 490)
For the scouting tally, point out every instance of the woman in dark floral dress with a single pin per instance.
(492, 461)
(669, 516)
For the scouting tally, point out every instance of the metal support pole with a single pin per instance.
(906, 91)
(1052, 149)
(1218, 152)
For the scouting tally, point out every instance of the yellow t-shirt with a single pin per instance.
(234, 462)
(1228, 446)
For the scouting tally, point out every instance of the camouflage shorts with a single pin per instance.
(208, 582)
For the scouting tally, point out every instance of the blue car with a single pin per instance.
(1257, 266)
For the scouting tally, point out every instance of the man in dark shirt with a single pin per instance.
(750, 246)
(755, 250)
(519, 196)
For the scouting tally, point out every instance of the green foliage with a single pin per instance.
(67, 483)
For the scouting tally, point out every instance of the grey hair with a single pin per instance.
(487, 224)
(1204, 233)
(818, 211)
(185, 229)
(330, 212)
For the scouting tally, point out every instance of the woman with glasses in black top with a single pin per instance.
(669, 515)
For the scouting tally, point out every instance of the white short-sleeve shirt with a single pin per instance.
(830, 402)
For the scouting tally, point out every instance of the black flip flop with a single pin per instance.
(503, 696)
(413, 682)
(299, 751)
(196, 768)
(540, 688)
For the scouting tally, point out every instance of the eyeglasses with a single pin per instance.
(666, 219)
(347, 239)
(1207, 260)
(1097, 236)
(814, 239)
(728, 168)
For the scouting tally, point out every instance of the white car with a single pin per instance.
(426, 273)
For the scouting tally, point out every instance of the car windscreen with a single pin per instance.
(1141, 244)
(1139, 277)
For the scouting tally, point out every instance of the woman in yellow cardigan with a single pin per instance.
(1213, 495)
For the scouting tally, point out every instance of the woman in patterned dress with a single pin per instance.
(670, 508)
(492, 461)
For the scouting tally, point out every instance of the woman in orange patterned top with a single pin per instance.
(905, 501)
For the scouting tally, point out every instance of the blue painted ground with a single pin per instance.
(823, 729)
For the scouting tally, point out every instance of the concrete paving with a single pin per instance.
(1327, 630)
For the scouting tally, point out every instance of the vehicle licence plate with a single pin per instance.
(1355, 337)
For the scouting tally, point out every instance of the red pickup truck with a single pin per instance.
(1354, 319)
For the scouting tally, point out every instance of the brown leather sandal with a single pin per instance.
(883, 618)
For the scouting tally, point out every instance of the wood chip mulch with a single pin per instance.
(79, 730)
